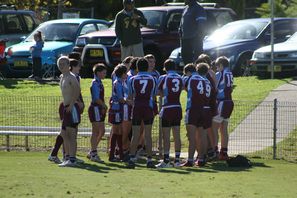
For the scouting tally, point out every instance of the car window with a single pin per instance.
(101, 26)
(154, 18)
(13, 24)
(87, 29)
(283, 29)
(1, 24)
(56, 32)
(29, 23)
(222, 17)
(241, 30)
(174, 21)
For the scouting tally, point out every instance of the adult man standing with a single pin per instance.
(191, 31)
(127, 28)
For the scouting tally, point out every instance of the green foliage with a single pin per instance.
(282, 9)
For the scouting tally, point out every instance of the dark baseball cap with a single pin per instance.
(128, 1)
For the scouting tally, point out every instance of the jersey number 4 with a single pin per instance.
(201, 90)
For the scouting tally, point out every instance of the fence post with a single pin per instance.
(27, 143)
(274, 127)
(7, 143)
(160, 131)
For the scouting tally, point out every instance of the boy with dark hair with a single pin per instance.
(97, 111)
(170, 86)
(225, 104)
(142, 88)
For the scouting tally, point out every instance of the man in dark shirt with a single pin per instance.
(127, 28)
(192, 31)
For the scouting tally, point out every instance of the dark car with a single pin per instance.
(238, 40)
(160, 36)
(16, 24)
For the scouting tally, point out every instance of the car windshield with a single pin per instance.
(293, 38)
(56, 32)
(242, 30)
(154, 18)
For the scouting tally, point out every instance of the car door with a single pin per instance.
(13, 28)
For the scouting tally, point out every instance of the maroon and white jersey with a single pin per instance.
(142, 87)
(199, 91)
(170, 85)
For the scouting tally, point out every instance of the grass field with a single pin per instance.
(29, 174)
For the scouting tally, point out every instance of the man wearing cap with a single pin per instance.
(191, 31)
(127, 28)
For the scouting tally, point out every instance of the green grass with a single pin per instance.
(16, 98)
(286, 149)
(29, 174)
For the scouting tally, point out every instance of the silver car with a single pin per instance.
(285, 57)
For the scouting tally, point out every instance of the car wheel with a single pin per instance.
(242, 67)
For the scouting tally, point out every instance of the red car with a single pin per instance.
(160, 36)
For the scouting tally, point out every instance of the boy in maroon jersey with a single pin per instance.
(170, 86)
(142, 88)
(198, 114)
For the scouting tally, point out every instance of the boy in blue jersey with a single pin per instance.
(170, 86)
(97, 110)
(115, 116)
(225, 104)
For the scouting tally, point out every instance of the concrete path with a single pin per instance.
(256, 131)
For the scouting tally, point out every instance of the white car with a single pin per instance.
(285, 57)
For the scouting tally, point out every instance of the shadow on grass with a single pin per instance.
(12, 82)
(94, 167)
(9, 83)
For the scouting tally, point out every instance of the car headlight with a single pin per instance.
(258, 55)
(293, 55)
(81, 41)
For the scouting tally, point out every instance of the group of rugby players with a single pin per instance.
(135, 85)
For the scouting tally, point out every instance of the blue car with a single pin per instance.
(238, 40)
(59, 39)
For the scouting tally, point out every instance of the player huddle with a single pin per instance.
(132, 105)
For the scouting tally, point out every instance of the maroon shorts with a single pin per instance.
(199, 117)
(96, 113)
(114, 116)
(142, 113)
(207, 118)
(126, 112)
(171, 116)
(225, 108)
(72, 118)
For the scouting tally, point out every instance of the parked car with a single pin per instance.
(59, 39)
(238, 40)
(16, 24)
(160, 36)
(285, 57)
